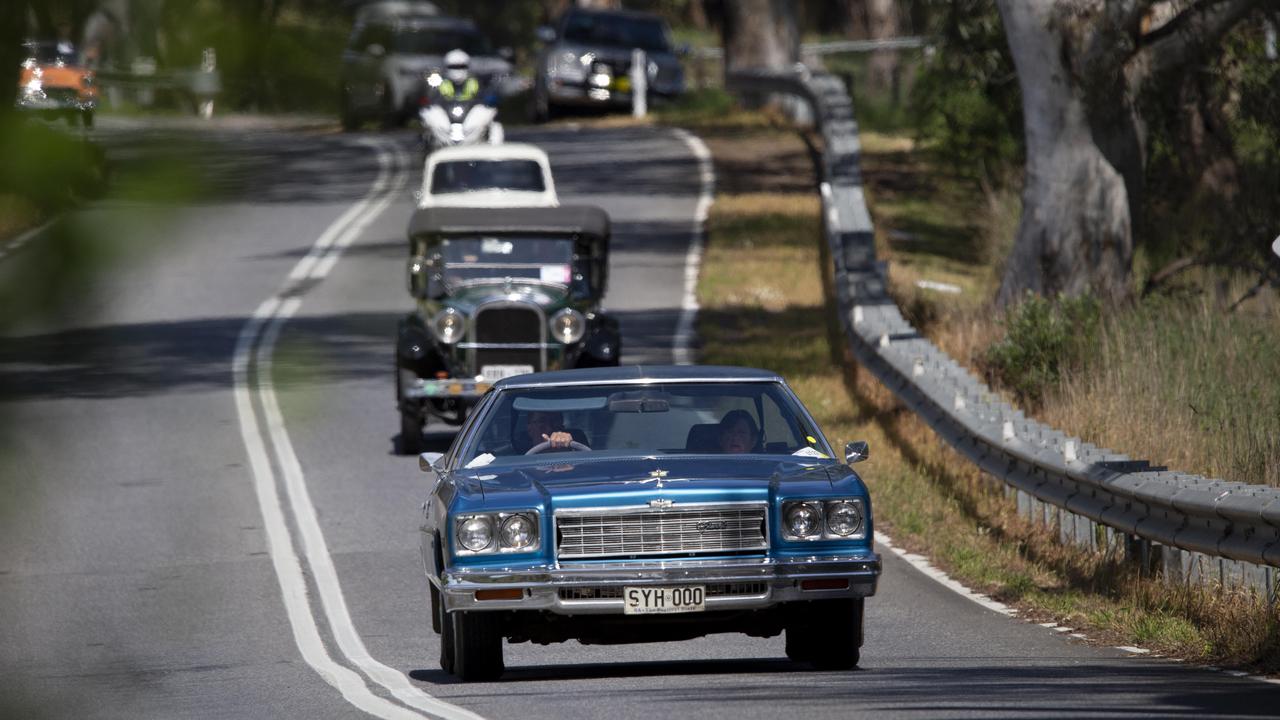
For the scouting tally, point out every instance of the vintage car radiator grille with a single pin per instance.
(508, 325)
(693, 531)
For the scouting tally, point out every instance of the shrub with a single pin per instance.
(1043, 339)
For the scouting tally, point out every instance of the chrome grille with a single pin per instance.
(507, 324)
(678, 531)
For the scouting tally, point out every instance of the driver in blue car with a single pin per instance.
(540, 427)
(738, 433)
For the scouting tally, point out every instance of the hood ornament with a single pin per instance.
(658, 475)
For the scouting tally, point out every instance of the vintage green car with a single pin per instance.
(499, 292)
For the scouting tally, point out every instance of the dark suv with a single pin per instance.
(586, 61)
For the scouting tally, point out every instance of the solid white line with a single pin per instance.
(293, 586)
(273, 314)
(682, 350)
(16, 244)
(923, 565)
(317, 551)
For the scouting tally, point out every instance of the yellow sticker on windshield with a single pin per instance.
(812, 440)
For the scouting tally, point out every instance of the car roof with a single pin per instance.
(638, 374)
(584, 219)
(501, 151)
(626, 14)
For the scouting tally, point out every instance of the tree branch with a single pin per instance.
(1182, 39)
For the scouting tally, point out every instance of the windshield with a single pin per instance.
(618, 30)
(49, 52)
(467, 175)
(546, 260)
(436, 41)
(661, 419)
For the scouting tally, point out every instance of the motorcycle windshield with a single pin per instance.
(474, 175)
(471, 260)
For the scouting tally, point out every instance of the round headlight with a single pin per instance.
(475, 534)
(449, 325)
(517, 532)
(844, 518)
(803, 520)
(568, 325)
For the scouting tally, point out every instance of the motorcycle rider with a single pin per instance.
(458, 84)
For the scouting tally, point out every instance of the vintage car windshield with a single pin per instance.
(614, 420)
(616, 30)
(471, 175)
(436, 41)
(469, 259)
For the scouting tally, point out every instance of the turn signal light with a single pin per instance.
(509, 594)
(824, 584)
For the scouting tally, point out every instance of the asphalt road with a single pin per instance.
(204, 517)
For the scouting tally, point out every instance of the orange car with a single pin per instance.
(54, 83)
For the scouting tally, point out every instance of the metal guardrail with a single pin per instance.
(838, 46)
(1191, 528)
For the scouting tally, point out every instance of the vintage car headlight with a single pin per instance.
(518, 532)
(475, 533)
(568, 326)
(844, 517)
(802, 519)
(497, 532)
(450, 326)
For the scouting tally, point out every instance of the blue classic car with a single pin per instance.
(639, 504)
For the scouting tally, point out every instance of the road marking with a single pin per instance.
(682, 350)
(16, 244)
(272, 315)
(923, 565)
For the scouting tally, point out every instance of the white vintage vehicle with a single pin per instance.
(480, 176)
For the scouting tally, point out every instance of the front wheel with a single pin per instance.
(477, 646)
(444, 622)
(411, 440)
(828, 636)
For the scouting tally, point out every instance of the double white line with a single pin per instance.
(256, 398)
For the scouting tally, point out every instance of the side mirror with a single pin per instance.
(545, 34)
(427, 461)
(506, 53)
(375, 50)
(856, 452)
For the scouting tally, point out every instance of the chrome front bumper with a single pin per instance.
(780, 579)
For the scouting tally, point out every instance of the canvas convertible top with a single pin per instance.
(580, 219)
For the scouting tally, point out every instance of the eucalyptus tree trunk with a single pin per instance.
(882, 66)
(760, 34)
(1081, 67)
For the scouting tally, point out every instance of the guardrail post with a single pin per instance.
(206, 83)
(143, 66)
(639, 84)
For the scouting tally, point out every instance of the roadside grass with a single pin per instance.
(17, 215)
(765, 295)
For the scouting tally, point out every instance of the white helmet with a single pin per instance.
(457, 65)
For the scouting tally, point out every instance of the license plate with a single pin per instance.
(494, 373)
(662, 600)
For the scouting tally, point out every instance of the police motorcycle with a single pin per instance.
(455, 110)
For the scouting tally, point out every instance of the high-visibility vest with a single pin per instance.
(469, 90)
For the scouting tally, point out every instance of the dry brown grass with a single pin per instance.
(765, 302)
(17, 215)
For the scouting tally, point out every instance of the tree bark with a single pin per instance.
(759, 34)
(882, 66)
(1075, 235)
(1081, 67)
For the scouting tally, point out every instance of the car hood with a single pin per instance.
(467, 298)
(614, 54)
(637, 481)
(490, 199)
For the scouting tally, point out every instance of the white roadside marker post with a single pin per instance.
(639, 84)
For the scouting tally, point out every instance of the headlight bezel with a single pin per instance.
(824, 507)
(449, 315)
(579, 331)
(496, 521)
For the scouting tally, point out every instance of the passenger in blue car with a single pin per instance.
(738, 433)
